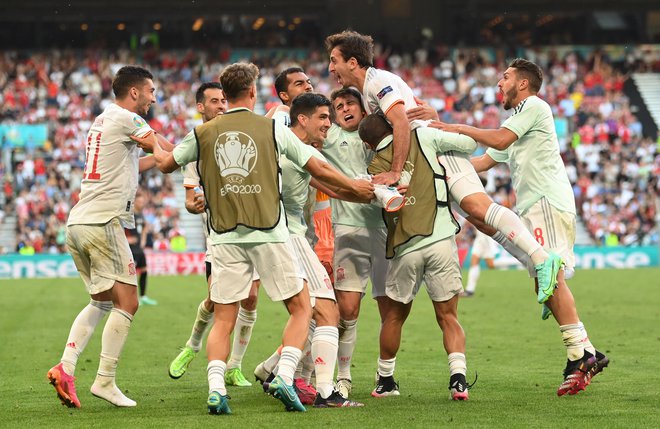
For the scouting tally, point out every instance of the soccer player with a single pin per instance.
(310, 121)
(482, 248)
(137, 238)
(421, 247)
(528, 143)
(211, 102)
(351, 58)
(289, 84)
(96, 238)
(351, 63)
(359, 231)
(240, 160)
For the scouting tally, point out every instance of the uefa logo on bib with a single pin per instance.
(236, 155)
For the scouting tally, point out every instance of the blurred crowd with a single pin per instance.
(613, 167)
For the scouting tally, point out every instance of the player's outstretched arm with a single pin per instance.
(401, 135)
(337, 193)
(164, 143)
(483, 163)
(423, 112)
(326, 173)
(447, 141)
(164, 160)
(146, 163)
(499, 139)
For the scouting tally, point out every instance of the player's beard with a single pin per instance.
(510, 95)
(143, 105)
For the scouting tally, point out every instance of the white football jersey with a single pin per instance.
(110, 178)
(283, 118)
(383, 89)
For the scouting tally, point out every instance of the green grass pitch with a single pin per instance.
(518, 357)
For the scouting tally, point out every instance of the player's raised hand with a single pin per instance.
(146, 142)
(424, 111)
(452, 128)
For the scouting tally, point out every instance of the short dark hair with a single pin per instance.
(373, 128)
(128, 77)
(238, 78)
(306, 104)
(530, 71)
(352, 44)
(344, 92)
(199, 95)
(282, 79)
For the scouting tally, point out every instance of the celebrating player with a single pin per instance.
(248, 226)
(96, 239)
(527, 141)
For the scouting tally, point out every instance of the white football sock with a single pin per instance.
(457, 363)
(271, 362)
(81, 331)
(513, 250)
(288, 361)
(386, 367)
(202, 321)
(216, 376)
(105, 388)
(573, 337)
(307, 366)
(347, 338)
(587, 343)
(324, 355)
(473, 277)
(506, 221)
(114, 337)
(242, 333)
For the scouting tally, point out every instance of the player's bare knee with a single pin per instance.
(299, 307)
(128, 305)
(125, 297)
(476, 205)
(326, 312)
(349, 304)
(349, 311)
(250, 303)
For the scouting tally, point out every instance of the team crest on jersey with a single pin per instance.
(131, 268)
(138, 121)
(384, 92)
(236, 155)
